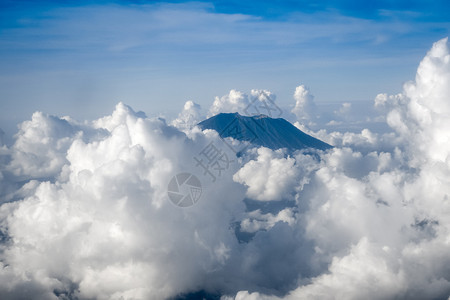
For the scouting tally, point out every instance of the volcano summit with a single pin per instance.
(262, 130)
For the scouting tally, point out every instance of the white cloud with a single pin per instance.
(40, 146)
(366, 272)
(189, 116)
(305, 107)
(258, 102)
(235, 101)
(379, 220)
(270, 177)
(424, 117)
(106, 224)
(85, 212)
(344, 109)
(256, 221)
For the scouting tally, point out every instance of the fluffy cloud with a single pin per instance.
(102, 226)
(189, 116)
(379, 220)
(305, 107)
(85, 212)
(257, 221)
(269, 177)
(424, 117)
(256, 103)
(40, 146)
(235, 101)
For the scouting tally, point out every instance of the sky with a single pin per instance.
(82, 57)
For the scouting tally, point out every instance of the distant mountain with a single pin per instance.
(262, 130)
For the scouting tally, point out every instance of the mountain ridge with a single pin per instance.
(262, 130)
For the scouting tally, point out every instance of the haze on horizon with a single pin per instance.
(80, 58)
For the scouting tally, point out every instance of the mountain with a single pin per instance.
(261, 130)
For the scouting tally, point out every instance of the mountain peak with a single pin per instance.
(262, 130)
(261, 116)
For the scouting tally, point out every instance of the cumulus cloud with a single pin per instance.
(270, 177)
(85, 212)
(235, 101)
(263, 102)
(386, 102)
(102, 226)
(424, 119)
(256, 103)
(40, 146)
(257, 221)
(344, 110)
(305, 107)
(189, 116)
(379, 220)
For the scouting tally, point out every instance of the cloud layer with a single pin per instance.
(85, 212)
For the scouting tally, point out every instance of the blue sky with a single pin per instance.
(80, 58)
